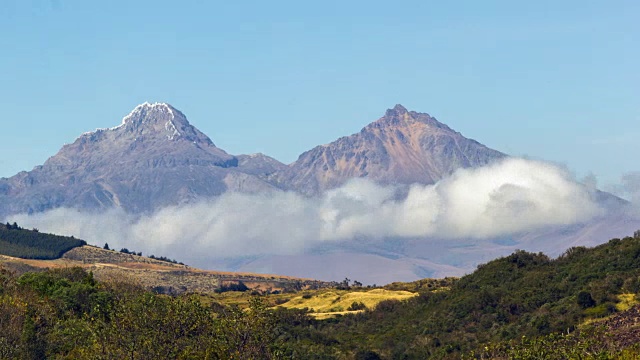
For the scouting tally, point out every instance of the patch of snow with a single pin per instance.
(168, 108)
(171, 128)
(133, 112)
(164, 107)
(146, 105)
(98, 130)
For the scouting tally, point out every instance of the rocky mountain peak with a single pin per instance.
(399, 117)
(147, 112)
(397, 110)
(402, 147)
(159, 120)
(154, 158)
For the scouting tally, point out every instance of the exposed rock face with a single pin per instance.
(153, 159)
(260, 165)
(401, 147)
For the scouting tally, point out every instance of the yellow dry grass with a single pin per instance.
(326, 304)
(626, 301)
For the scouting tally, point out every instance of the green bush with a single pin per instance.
(357, 306)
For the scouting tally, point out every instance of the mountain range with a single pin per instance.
(155, 158)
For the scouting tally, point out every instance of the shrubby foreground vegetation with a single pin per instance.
(522, 306)
(520, 296)
(66, 314)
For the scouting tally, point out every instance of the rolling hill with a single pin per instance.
(23, 250)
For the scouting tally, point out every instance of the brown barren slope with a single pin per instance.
(162, 276)
(624, 327)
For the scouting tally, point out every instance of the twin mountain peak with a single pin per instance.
(156, 158)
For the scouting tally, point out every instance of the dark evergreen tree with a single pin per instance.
(585, 300)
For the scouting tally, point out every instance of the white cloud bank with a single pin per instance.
(508, 197)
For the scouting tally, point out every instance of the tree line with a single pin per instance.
(32, 244)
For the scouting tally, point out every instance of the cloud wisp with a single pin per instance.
(508, 197)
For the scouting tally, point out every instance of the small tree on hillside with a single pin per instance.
(585, 300)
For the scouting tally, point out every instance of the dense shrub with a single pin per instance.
(67, 314)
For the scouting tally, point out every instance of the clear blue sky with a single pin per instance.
(554, 80)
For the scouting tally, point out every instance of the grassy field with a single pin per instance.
(328, 303)
(321, 304)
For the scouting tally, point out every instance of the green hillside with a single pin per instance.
(32, 244)
(523, 294)
(582, 305)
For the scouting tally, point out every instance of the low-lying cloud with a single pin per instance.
(628, 187)
(508, 197)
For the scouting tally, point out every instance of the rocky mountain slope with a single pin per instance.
(153, 159)
(260, 165)
(156, 158)
(402, 147)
